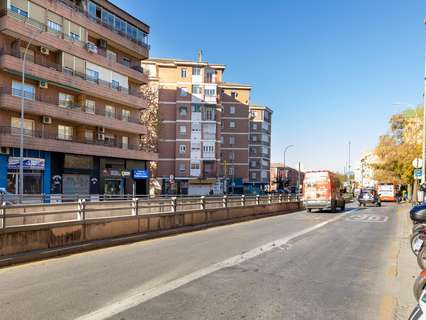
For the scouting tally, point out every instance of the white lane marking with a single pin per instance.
(145, 295)
(368, 218)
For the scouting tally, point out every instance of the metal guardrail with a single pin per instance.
(83, 210)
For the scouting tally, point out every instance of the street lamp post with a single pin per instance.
(285, 151)
(21, 141)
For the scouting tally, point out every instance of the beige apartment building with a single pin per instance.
(82, 129)
(259, 148)
(203, 145)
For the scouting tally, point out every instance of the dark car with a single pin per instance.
(369, 197)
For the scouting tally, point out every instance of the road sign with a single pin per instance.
(417, 173)
(140, 174)
(417, 163)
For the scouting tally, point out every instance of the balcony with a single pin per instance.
(44, 105)
(42, 140)
(55, 73)
(80, 16)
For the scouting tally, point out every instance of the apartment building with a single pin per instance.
(235, 136)
(259, 149)
(285, 178)
(190, 112)
(82, 130)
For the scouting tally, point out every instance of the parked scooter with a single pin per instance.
(419, 312)
(418, 237)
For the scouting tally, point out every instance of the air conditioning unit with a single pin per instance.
(4, 150)
(43, 84)
(100, 130)
(44, 51)
(47, 120)
(102, 43)
(91, 47)
(100, 136)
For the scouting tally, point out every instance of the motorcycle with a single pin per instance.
(419, 312)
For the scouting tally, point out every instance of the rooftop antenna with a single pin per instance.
(200, 56)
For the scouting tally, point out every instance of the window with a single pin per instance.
(196, 108)
(111, 55)
(125, 115)
(65, 132)
(126, 61)
(231, 155)
(88, 135)
(29, 90)
(183, 92)
(232, 124)
(28, 126)
(209, 113)
(183, 73)
(196, 89)
(92, 75)
(110, 139)
(181, 167)
(210, 92)
(209, 76)
(89, 106)
(18, 11)
(109, 111)
(65, 100)
(182, 149)
(232, 109)
(74, 36)
(53, 26)
(67, 70)
(125, 142)
(196, 71)
(231, 171)
(231, 140)
(208, 148)
(253, 175)
(183, 110)
(234, 94)
(195, 166)
(221, 139)
(222, 124)
(253, 164)
(254, 126)
(253, 138)
(30, 54)
(115, 84)
(182, 130)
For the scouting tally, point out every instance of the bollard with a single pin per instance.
(203, 203)
(243, 200)
(135, 207)
(3, 213)
(280, 198)
(225, 201)
(173, 204)
(257, 199)
(81, 207)
(270, 199)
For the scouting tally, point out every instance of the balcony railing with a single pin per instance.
(71, 138)
(65, 36)
(110, 27)
(51, 65)
(55, 101)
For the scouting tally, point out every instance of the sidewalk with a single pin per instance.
(407, 268)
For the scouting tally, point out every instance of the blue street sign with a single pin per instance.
(417, 173)
(138, 174)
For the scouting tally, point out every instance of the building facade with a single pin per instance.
(203, 145)
(82, 129)
(287, 178)
(259, 149)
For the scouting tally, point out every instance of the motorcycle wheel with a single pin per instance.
(413, 239)
(417, 228)
(419, 286)
(421, 258)
(416, 314)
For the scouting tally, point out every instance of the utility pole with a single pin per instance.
(298, 181)
(349, 164)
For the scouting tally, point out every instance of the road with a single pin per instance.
(296, 266)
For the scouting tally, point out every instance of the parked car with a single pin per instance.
(7, 197)
(369, 197)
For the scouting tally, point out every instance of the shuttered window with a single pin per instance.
(80, 65)
(21, 4)
(37, 13)
(68, 61)
(54, 17)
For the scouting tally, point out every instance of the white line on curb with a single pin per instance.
(143, 296)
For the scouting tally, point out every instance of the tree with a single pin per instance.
(150, 117)
(397, 149)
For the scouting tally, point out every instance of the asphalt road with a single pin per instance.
(296, 266)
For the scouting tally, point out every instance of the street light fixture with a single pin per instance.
(21, 142)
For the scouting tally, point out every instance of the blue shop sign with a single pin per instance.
(140, 174)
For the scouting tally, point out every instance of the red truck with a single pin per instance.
(322, 190)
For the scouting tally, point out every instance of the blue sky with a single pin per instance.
(331, 70)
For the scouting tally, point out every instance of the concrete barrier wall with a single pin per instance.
(27, 238)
